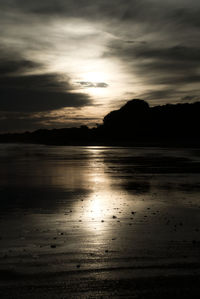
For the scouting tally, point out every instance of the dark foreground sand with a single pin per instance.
(90, 222)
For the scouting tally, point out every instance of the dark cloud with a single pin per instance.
(26, 97)
(169, 54)
(35, 92)
(187, 17)
(88, 84)
(148, 11)
(150, 15)
(190, 98)
(158, 94)
(173, 95)
(173, 66)
(17, 99)
(20, 122)
(8, 67)
(78, 8)
(16, 122)
(164, 68)
(153, 15)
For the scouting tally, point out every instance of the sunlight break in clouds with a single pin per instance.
(94, 56)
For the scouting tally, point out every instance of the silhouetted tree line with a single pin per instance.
(133, 124)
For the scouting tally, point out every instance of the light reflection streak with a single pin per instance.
(93, 211)
(98, 209)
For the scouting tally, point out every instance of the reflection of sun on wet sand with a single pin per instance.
(124, 228)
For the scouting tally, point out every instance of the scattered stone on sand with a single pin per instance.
(53, 246)
(114, 217)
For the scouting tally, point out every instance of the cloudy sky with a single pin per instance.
(69, 62)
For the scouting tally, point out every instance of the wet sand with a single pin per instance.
(99, 222)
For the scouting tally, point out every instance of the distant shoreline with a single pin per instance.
(134, 124)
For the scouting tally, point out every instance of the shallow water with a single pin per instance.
(97, 214)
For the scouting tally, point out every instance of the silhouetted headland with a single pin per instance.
(135, 124)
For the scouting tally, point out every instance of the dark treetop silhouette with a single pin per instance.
(133, 124)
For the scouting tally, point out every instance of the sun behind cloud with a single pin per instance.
(95, 77)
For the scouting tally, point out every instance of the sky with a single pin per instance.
(67, 63)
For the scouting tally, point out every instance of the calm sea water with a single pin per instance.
(98, 208)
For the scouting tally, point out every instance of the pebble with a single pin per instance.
(53, 246)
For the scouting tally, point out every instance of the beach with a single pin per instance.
(99, 222)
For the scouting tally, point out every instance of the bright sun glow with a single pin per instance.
(94, 77)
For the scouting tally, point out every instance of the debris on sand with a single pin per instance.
(195, 242)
